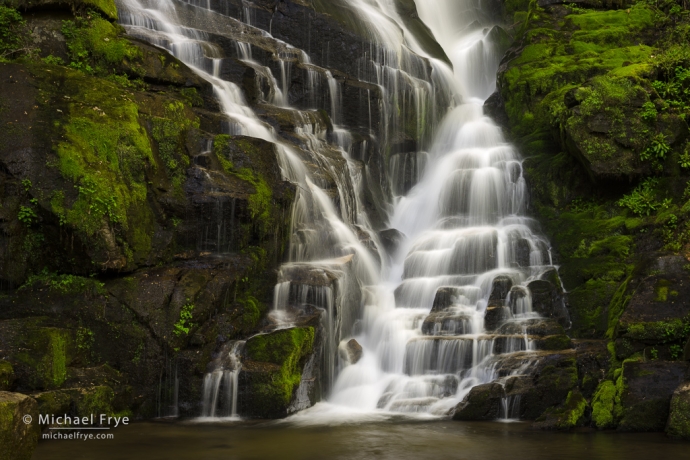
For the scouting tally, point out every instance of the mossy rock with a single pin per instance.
(570, 415)
(679, 419)
(483, 402)
(605, 405)
(647, 389)
(273, 371)
(17, 438)
(106, 7)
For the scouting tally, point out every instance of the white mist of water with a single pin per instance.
(463, 222)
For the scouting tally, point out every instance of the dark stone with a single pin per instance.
(494, 107)
(354, 351)
(482, 403)
(495, 316)
(444, 323)
(679, 419)
(445, 296)
(647, 393)
(686, 351)
(500, 288)
(522, 252)
(391, 239)
(547, 300)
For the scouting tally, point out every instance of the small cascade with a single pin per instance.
(219, 392)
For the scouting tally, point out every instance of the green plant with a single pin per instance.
(676, 351)
(53, 60)
(183, 324)
(649, 112)
(642, 200)
(657, 149)
(26, 215)
(11, 33)
(654, 353)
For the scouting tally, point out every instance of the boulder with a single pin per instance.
(522, 252)
(18, 439)
(354, 351)
(646, 394)
(391, 239)
(482, 403)
(678, 425)
(495, 316)
(500, 287)
(272, 371)
(547, 300)
(565, 417)
(445, 296)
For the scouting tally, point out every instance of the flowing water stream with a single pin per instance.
(457, 199)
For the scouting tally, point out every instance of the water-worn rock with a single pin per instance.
(273, 371)
(565, 417)
(391, 239)
(547, 300)
(482, 403)
(354, 351)
(444, 298)
(646, 395)
(18, 439)
(678, 425)
(495, 316)
(500, 288)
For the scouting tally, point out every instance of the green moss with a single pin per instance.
(95, 45)
(96, 400)
(260, 202)
(284, 348)
(6, 375)
(64, 284)
(107, 7)
(675, 330)
(169, 133)
(603, 404)
(679, 418)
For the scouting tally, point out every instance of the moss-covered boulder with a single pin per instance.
(19, 429)
(646, 393)
(483, 402)
(273, 371)
(570, 415)
(678, 425)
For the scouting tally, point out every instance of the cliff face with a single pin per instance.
(596, 97)
(130, 248)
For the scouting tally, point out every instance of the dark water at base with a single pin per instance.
(401, 440)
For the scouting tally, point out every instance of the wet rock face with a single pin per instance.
(495, 316)
(445, 296)
(482, 403)
(547, 300)
(391, 239)
(273, 371)
(647, 394)
(18, 439)
(679, 418)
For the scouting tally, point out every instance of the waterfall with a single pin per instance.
(452, 188)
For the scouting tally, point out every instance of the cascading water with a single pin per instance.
(456, 195)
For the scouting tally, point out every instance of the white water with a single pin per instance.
(462, 220)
